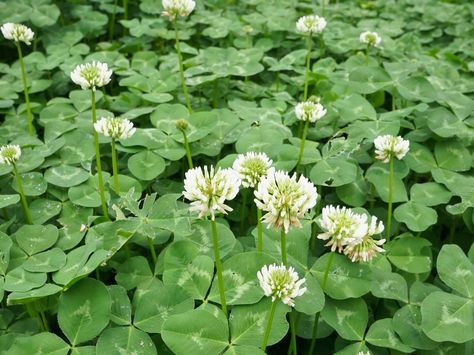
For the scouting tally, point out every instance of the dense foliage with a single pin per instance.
(127, 268)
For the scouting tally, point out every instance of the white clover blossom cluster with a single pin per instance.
(389, 146)
(91, 75)
(114, 127)
(252, 167)
(208, 189)
(174, 8)
(311, 24)
(371, 38)
(285, 199)
(9, 154)
(281, 282)
(351, 233)
(310, 110)
(17, 32)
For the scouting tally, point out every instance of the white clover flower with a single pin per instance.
(209, 189)
(310, 24)
(284, 198)
(116, 128)
(389, 146)
(173, 8)
(364, 248)
(91, 75)
(251, 167)
(9, 154)
(339, 225)
(281, 282)
(371, 38)
(309, 111)
(17, 32)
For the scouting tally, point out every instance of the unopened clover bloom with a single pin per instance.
(363, 247)
(285, 199)
(9, 154)
(208, 189)
(17, 32)
(339, 225)
(251, 167)
(91, 75)
(281, 282)
(389, 146)
(371, 38)
(173, 8)
(114, 127)
(310, 110)
(310, 24)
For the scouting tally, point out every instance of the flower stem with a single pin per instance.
(181, 70)
(115, 168)
(243, 211)
(112, 21)
(269, 326)
(323, 3)
(188, 150)
(367, 54)
(29, 115)
(390, 193)
(24, 203)
(259, 230)
(283, 246)
(152, 250)
(293, 348)
(303, 141)
(97, 161)
(33, 313)
(220, 280)
(316, 317)
(308, 60)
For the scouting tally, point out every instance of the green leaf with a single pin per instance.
(21, 280)
(456, 270)
(442, 122)
(430, 194)
(389, 285)
(407, 324)
(381, 333)
(125, 340)
(447, 317)
(312, 300)
(146, 165)
(84, 310)
(43, 210)
(410, 254)
(33, 184)
(65, 175)
(333, 172)
(420, 158)
(205, 332)
(34, 294)
(416, 216)
(8, 200)
(133, 272)
(453, 155)
(42, 343)
(48, 261)
(34, 239)
(348, 317)
(378, 175)
(121, 309)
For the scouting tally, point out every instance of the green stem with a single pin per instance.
(323, 7)
(316, 317)
(259, 230)
(152, 250)
(181, 70)
(125, 9)
(29, 115)
(321, 46)
(303, 141)
(293, 334)
(112, 21)
(390, 193)
(33, 313)
(188, 150)
(115, 168)
(97, 161)
(283, 246)
(269, 326)
(243, 211)
(24, 203)
(367, 54)
(45, 321)
(308, 60)
(220, 280)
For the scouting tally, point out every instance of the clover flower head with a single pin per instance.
(247, 29)
(285, 199)
(208, 189)
(174, 8)
(389, 146)
(182, 124)
(310, 24)
(115, 128)
(281, 282)
(310, 110)
(91, 75)
(17, 32)
(363, 247)
(371, 38)
(251, 167)
(9, 154)
(340, 224)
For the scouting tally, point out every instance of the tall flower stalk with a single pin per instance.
(181, 67)
(20, 33)
(9, 154)
(371, 39)
(182, 125)
(386, 149)
(91, 76)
